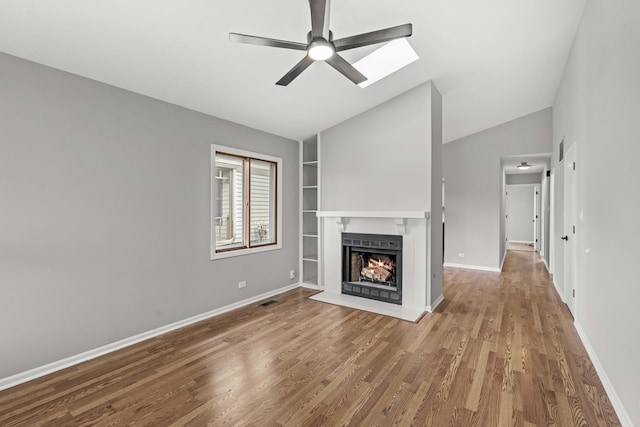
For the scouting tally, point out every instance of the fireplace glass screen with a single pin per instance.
(372, 266)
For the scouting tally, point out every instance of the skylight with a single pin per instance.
(386, 60)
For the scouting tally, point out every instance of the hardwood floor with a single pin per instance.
(500, 350)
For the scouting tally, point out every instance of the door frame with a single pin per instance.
(537, 214)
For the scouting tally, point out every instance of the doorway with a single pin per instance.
(521, 224)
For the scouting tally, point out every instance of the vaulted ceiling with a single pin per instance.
(493, 60)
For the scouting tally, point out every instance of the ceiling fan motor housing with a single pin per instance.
(310, 37)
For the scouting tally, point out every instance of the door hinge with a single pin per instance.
(574, 165)
(536, 240)
(574, 293)
(574, 229)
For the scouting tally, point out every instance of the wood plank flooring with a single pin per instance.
(501, 350)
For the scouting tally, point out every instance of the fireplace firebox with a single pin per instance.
(372, 266)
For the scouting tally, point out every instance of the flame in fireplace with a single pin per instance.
(373, 262)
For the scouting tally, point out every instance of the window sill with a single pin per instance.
(241, 252)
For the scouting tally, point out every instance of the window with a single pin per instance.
(245, 202)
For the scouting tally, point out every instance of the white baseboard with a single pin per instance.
(431, 308)
(622, 413)
(555, 285)
(545, 264)
(49, 368)
(472, 267)
(525, 242)
(310, 286)
(504, 256)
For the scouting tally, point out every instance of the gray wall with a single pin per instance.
(524, 178)
(473, 171)
(104, 205)
(381, 159)
(436, 194)
(597, 107)
(520, 213)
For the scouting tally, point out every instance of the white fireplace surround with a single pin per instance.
(412, 225)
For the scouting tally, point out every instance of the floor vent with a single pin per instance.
(268, 303)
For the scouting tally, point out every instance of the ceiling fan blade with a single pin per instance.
(347, 70)
(295, 71)
(320, 18)
(373, 37)
(263, 41)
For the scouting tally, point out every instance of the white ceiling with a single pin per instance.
(493, 60)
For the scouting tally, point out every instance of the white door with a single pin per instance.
(569, 238)
(552, 224)
(520, 207)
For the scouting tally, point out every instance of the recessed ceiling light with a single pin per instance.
(386, 60)
(524, 166)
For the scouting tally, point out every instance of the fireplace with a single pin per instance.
(372, 266)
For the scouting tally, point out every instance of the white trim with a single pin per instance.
(301, 164)
(545, 263)
(431, 308)
(310, 286)
(248, 251)
(555, 285)
(400, 217)
(504, 256)
(623, 415)
(374, 214)
(472, 267)
(49, 368)
(522, 241)
(319, 207)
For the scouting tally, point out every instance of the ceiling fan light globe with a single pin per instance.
(320, 50)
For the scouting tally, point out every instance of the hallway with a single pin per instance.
(537, 371)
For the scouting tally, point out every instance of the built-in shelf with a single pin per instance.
(310, 224)
(313, 281)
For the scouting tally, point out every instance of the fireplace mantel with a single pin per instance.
(400, 217)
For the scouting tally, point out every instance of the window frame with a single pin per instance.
(246, 249)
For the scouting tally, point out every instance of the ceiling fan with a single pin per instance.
(321, 46)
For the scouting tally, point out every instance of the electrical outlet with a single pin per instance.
(461, 254)
(242, 284)
(292, 274)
